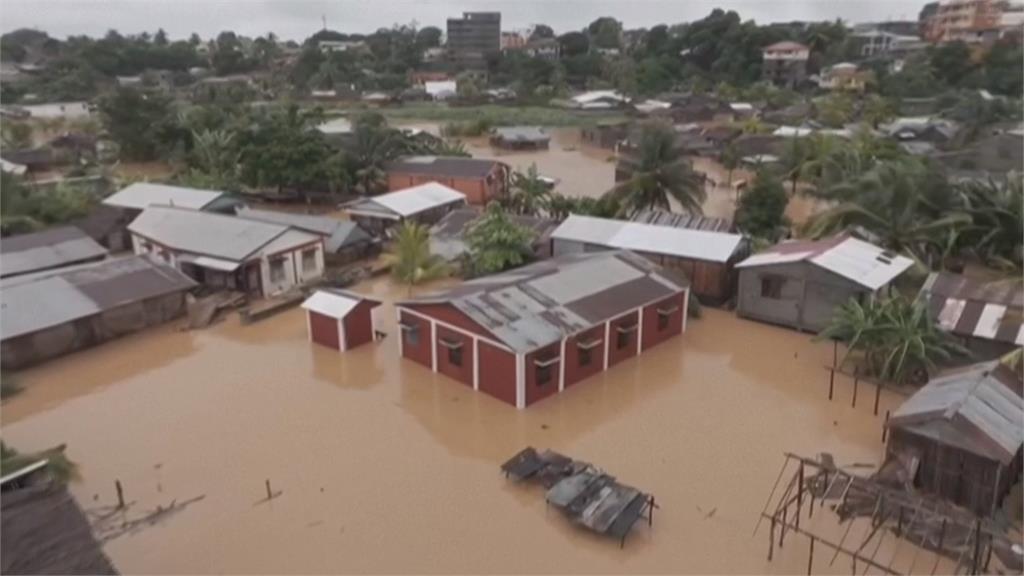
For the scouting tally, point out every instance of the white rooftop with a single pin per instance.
(330, 304)
(418, 199)
(335, 126)
(853, 259)
(440, 87)
(595, 95)
(141, 195)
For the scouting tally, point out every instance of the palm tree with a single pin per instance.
(373, 147)
(798, 152)
(215, 158)
(529, 195)
(997, 221)
(660, 174)
(410, 257)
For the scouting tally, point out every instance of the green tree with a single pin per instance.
(16, 135)
(795, 156)
(730, 159)
(605, 32)
(951, 62)
(573, 44)
(284, 151)
(835, 110)
(559, 206)
(410, 257)
(143, 125)
(541, 32)
(497, 243)
(428, 37)
(214, 160)
(529, 194)
(1003, 71)
(761, 211)
(373, 147)
(877, 109)
(997, 222)
(660, 174)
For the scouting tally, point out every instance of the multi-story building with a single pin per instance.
(966, 20)
(474, 36)
(785, 63)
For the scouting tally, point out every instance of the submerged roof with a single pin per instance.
(977, 408)
(975, 308)
(853, 259)
(651, 238)
(335, 303)
(139, 195)
(226, 237)
(522, 134)
(409, 202)
(455, 166)
(46, 249)
(337, 233)
(38, 301)
(530, 307)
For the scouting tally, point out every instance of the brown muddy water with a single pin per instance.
(385, 467)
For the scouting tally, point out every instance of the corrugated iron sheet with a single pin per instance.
(975, 308)
(141, 195)
(654, 239)
(51, 248)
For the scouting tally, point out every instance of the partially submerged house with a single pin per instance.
(925, 129)
(705, 257)
(46, 250)
(605, 134)
(800, 284)
(964, 431)
(986, 316)
(424, 204)
(344, 240)
(598, 100)
(135, 198)
(521, 138)
(339, 319)
(49, 314)
(701, 108)
(480, 180)
(447, 237)
(531, 332)
(229, 252)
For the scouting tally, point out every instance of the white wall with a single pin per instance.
(293, 273)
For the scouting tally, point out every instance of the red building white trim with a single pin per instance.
(339, 319)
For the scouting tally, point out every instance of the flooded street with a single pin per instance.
(385, 467)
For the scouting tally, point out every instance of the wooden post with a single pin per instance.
(878, 394)
(810, 557)
(269, 493)
(782, 529)
(856, 379)
(120, 494)
(885, 427)
(899, 522)
(976, 560)
(800, 493)
(650, 513)
(938, 547)
(988, 556)
(771, 539)
(831, 382)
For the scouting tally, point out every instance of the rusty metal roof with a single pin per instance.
(976, 308)
(683, 220)
(451, 166)
(530, 307)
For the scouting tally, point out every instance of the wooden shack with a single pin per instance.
(340, 319)
(964, 431)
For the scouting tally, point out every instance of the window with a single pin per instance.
(771, 286)
(309, 260)
(277, 269)
(455, 356)
(622, 340)
(411, 333)
(544, 374)
(662, 321)
(585, 356)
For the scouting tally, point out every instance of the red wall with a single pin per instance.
(446, 313)
(324, 330)
(462, 373)
(498, 373)
(573, 371)
(535, 392)
(421, 351)
(615, 354)
(475, 189)
(651, 334)
(359, 325)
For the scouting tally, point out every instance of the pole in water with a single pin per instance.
(269, 493)
(831, 382)
(885, 427)
(878, 394)
(120, 493)
(855, 381)
(810, 557)
(771, 539)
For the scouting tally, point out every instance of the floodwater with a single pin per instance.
(385, 467)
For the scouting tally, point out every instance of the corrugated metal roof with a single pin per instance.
(522, 134)
(215, 235)
(965, 306)
(335, 126)
(449, 166)
(140, 195)
(853, 259)
(977, 408)
(447, 236)
(650, 238)
(688, 221)
(412, 201)
(337, 233)
(530, 307)
(330, 304)
(51, 248)
(32, 303)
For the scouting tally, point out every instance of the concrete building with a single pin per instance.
(800, 284)
(344, 240)
(47, 250)
(480, 179)
(474, 36)
(543, 48)
(843, 76)
(964, 20)
(528, 333)
(986, 316)
(873, 42)
(785, 63)
(339, 319)
(705, 257)
(229, 252)
(425, 204)
(53, 313)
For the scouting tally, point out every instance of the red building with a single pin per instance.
(339, 319)
(531, 332)
(481, 180)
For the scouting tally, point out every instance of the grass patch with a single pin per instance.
(490, 114)
(60, 467)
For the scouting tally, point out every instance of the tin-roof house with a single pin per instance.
(344, 240)
(986, 316)
(800, 284)
(340, 319)
(480, 179)
(138, 196)
(425, 204)
(46, 250)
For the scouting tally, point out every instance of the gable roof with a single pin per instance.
(46, 299)
(337, 233)
(522, 133)
(977, 408)
(651, 238)
(783, 46)
(447, 236)
(140, 195)
(47, 249)
(452, 166)
(856, 260)
(536, 305)
(408, 202)
(226, 237)
(335, 303)
(688, 221)
(976, 308)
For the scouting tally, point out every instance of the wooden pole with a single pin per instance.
(120, 494)
(831, 382)
(988, 556)
(938, 547)
(856, 379)
(771, 539)
(269, 493)
(976, 559)
(899, 522)
(650, 514)
(810, 557)
(885, 427)
(800, 494)
(878, 394)
(782, 529)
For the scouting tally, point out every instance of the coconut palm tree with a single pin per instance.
(411, 260)
(372, 148)
(529, 195)
(997, 221)
(661, 174)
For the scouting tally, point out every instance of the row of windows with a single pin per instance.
(277, 273)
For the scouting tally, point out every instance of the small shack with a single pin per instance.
(425, 204)
(47, 250)
(800, 284)
(53, 313)
(986, 316)
(521, 138)
(706, 257)
(605, 134)
(339, 319)
(964, 431)
(480, 179)
(447, 237)
(344, 240)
